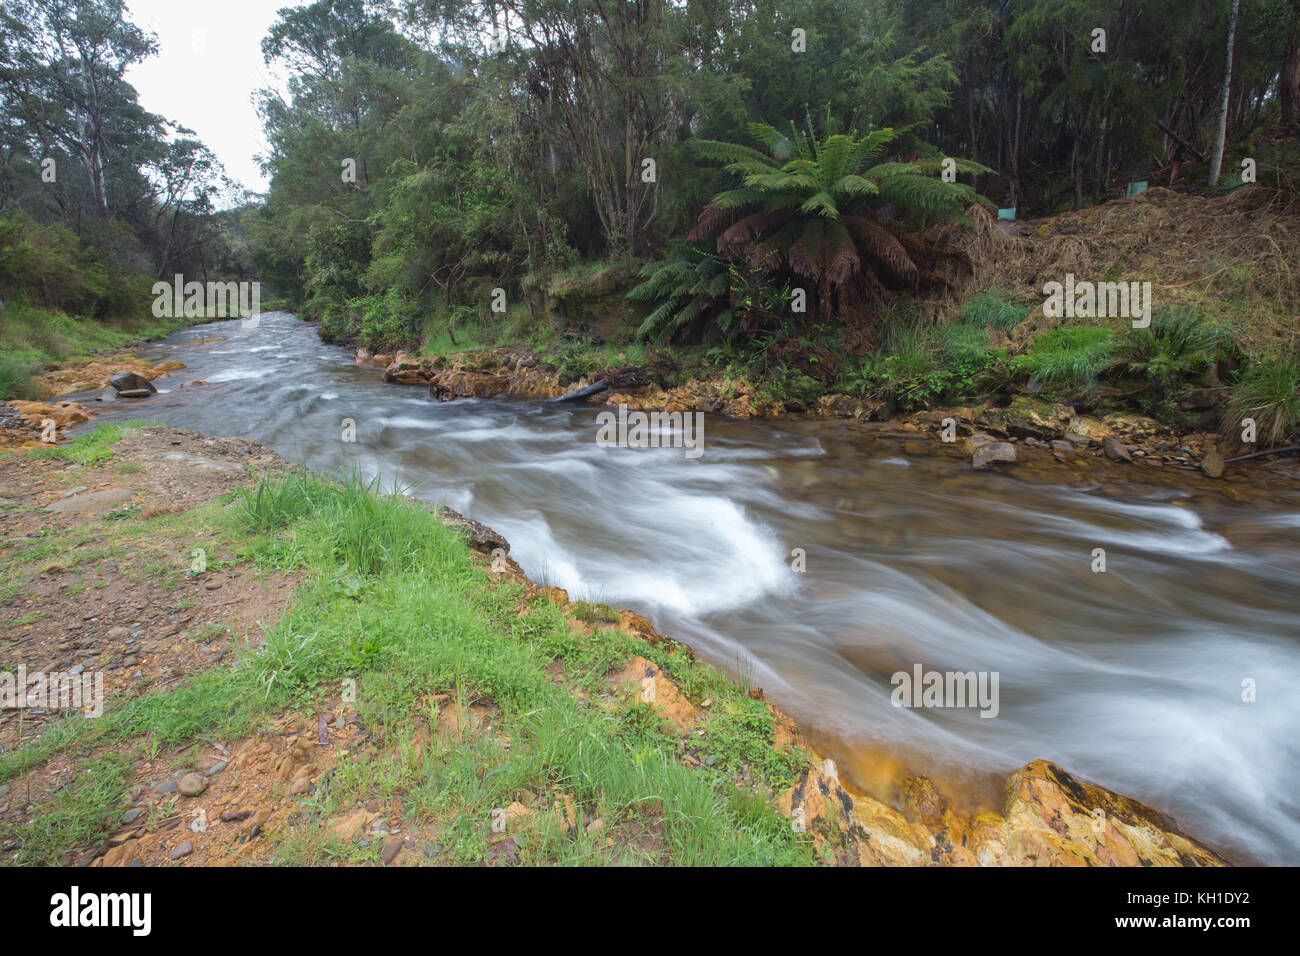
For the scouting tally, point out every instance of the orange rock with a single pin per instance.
(647, 683)
(63, 414)
(1056, 819)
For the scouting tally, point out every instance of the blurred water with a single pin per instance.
(1131, 678)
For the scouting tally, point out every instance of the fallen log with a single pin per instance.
(579, 393)
(1288, 450)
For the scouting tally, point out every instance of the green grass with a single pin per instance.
(1067, 360)
(91, 448)
(1268, 392)
(393, 601)
(993, 310)
(35, 339)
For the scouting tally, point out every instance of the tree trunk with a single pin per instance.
(1216, 158)
(1289, 81)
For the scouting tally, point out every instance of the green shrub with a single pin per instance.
(1177, 346)
(1268, 392)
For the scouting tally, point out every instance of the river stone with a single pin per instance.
(1115, 449)
(986, 455)
(391, 849)
(134, 393)
(192, 784)
(1212, 464)
(124, 382)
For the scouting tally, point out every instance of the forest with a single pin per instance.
(792, 187)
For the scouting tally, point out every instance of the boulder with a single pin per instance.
(986, 454)
(126, 381)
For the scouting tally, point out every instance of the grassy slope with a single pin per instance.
(34, 340)
(396, 601)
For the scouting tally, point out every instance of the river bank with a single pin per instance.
(912, 555)
(1031, 423)
(328, 765)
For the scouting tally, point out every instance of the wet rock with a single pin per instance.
(125, 381)
(1062, 445)
(985, 455)
(1212, 465)
(1056, 819)
(406, 370)
(481, 537)
(134, 393)
(1115, 449)
(1026, 418)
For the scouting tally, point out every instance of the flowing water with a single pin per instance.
(1131, 678)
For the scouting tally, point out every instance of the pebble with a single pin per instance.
(184, 850)
(167, 786)
(132, 815)
(192, 784)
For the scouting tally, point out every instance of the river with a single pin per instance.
(1131, 678)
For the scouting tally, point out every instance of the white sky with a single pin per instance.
(209, 63)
